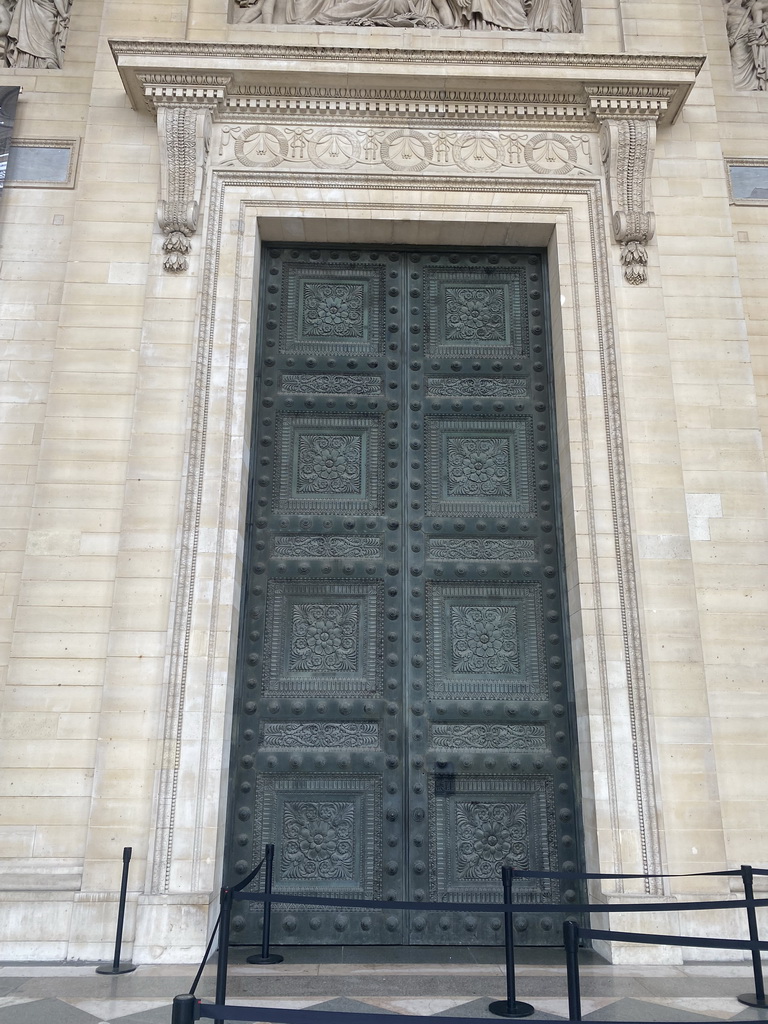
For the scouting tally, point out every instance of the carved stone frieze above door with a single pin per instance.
(366, 111)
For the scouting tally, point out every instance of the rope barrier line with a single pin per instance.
(597, 875)
(236, 888)
(496, 908)
(206, 954)
(249, 878)
(222, 1011)
(671, 940)
(578, 875)
(187, 1009)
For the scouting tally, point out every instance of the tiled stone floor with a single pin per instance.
(441, 982)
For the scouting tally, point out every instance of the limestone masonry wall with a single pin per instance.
(124, 418)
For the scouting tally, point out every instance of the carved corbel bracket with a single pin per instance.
(184, 113)
(185, 135)
(626, 148)
(627, 119)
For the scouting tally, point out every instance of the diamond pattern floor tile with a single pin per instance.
(344, 1005)
(116, 1009)
(46, 1011)
(422, 1007)
(479, 1008)
(639, 1010)
(62, 995)
(749, 1013)
(160, 1015)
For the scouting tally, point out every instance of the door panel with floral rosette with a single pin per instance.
(402, 719)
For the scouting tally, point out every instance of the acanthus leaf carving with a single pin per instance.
(511, 549)
(330, 384)
(184, 132)
(626, 148)
(462, 736)
(320, 735)
(293, 546)
(471, 387)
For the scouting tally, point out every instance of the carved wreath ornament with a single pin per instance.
(405, 150)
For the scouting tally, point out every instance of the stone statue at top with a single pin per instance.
(508, 15)
(746, 22)
(33, 33)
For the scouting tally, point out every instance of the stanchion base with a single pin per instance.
(751, 999)
(502, 1008)
(273, 958)
(124, 968)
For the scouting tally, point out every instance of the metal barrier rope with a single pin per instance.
(186, 1012)
(187, 1009)
(206, 954)
(495, 908)
(265, 957)
(572, 933)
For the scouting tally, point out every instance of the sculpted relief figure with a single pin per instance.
(494, 14)
(5, 24)
(33, 33)
(551, 16)
(758, 9)
(746, 23)
(510, 15)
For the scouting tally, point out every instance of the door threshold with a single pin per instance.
(545, 956)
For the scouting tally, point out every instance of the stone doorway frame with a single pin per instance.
(570, 217)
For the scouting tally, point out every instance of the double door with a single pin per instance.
(402, 724)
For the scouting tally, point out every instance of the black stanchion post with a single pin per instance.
(265, 957)
(116, 967)
(511, 1006)
(221, 962)
(571, 943)
(756, 998)
(184, 1010)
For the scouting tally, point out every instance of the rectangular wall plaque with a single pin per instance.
(42, 163)
(748, 180)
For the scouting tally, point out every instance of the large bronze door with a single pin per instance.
(402, 723)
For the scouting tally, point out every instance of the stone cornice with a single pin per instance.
(231, 79)
(422, 109)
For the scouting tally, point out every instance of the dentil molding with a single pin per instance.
(375, 109)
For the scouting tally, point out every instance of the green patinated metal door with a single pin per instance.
(402, 724)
